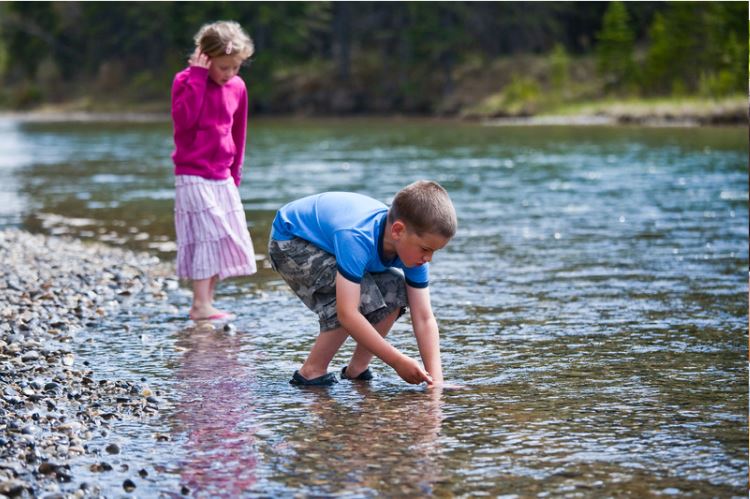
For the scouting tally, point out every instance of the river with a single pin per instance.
(594, 304)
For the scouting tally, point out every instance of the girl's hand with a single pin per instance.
(199, 59)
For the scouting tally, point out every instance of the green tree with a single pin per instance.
(559, 69)
(658, 56)
(614, 48)
(696, 47)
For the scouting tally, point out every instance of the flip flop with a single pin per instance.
(221, 316)
(327, 379)
(365, 375)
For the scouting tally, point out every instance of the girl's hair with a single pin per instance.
(224, 38)
(425, 207)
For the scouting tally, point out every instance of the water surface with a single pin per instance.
(594, 303)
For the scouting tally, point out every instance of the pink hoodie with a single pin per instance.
(210, 123)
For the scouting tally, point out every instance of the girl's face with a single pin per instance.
(224, 67)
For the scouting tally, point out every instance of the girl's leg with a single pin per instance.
(325, 347)
(361, 357)
(214, 281)
(203, 298)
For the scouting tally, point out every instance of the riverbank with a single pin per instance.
(52, 404)
(686, 111)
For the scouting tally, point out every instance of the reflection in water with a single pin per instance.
(352, 439)
(380, 442)
(215, 398)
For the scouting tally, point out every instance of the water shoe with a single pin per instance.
(365, 375)
(327, 379)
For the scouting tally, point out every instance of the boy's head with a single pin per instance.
(422, 220)
(425, 208)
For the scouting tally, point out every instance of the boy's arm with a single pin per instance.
(426, 331)
(347, 308)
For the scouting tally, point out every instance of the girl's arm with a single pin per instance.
(188, 91)
(239, 135)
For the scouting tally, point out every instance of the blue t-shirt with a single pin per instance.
(349, 226)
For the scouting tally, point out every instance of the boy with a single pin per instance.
(338, 251)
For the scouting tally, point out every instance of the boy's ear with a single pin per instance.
(398, 229)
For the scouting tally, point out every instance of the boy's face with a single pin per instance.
(415, 250)
(224, 68)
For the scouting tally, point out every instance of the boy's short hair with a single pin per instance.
(425, 207)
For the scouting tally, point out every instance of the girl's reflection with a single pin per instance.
(216, 397)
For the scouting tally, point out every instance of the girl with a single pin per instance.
(209, 113)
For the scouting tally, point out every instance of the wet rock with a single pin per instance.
(100, 467)
(14, 487)
(71, 427)
(128, 485)
(30, 356)
(48, 468)
(112, 449)
(30, 429)
(51, 386)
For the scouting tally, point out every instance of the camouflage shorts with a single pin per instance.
(311, 273)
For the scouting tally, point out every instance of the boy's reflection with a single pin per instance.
(216, 397)
(386, 443)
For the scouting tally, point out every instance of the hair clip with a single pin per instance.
(229, 48)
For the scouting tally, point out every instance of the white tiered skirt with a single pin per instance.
(212, 234)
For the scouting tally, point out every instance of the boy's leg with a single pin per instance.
(326, 345)
(361, 357)
(381, 291)
(311, 273)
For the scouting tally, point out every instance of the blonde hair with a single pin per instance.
(425, 208)
(224, 38)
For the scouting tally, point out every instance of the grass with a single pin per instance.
(733, 109)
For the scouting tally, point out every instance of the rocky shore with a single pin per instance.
(52, 403)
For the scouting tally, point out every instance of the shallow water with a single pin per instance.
(594, 303)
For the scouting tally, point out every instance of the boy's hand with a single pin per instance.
(199, 59)
(448, 387)
(411, 372)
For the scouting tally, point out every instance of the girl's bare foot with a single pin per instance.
(209, 314)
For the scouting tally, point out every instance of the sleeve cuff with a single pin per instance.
(348, 276)
(198, 72)
(419, 285)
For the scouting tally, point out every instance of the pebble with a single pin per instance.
(128, 485)
(51, 405)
